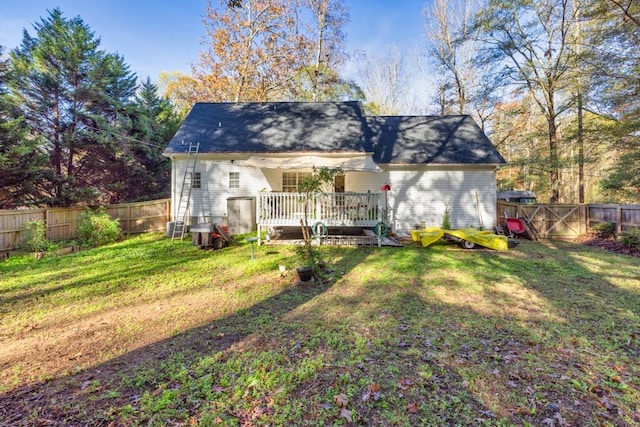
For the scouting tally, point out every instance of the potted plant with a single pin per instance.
(313, 184)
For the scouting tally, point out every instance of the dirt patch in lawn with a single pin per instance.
(610, 245)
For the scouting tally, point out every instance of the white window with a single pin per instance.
(196, 180)
(234, 179)
(291, 180)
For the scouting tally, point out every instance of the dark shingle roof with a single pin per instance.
(430, 140)
(273, 127)
(294, 127)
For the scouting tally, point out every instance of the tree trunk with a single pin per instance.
(316, 74)
(57, 152)
(580, 151)
(554, 173)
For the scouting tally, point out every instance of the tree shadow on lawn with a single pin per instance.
(74, 400)
(545, 343)
(68, 400)
(581, 312)
(432, 349)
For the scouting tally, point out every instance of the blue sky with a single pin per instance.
(158, 35)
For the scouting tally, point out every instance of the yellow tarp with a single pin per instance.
(486, 238)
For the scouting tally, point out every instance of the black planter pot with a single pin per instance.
(305, 273)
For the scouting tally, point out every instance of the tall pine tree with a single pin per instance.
(20, 158)
(72, 95)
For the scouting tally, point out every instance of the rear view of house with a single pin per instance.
(402, 171)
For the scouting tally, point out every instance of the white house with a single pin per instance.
(259, 152)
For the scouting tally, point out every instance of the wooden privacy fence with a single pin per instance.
(62, 223)
(567, 220)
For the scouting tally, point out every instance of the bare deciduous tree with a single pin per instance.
(385, 81)
(530, 40)
(326, 31)
(452, 49)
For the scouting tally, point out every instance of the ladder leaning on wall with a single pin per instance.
(182, 208)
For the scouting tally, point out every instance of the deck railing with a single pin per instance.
(332, 209)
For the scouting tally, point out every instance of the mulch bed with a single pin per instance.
(611, 245)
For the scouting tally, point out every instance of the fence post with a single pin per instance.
(618, 219)
(129, 220)
(46, 224)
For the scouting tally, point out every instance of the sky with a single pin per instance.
(166, 35)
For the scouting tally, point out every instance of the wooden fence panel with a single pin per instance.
(568, 221)
(624, 216)
(602, 213)
(630, 216)
(62, 223)
(13, 224)
(141, 217)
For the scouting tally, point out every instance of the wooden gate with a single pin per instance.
(548, 221)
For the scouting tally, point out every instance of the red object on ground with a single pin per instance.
(515, 225)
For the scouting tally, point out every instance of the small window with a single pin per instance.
(196, 181)
(234, 179)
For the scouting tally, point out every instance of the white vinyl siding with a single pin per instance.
(417, 197)
(363, 182)
(420, 197)
(209, 203)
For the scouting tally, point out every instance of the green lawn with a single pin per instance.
(154, 332)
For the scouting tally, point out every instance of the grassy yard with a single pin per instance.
(154, 332)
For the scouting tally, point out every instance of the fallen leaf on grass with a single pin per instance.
(561, 421)
(604, 403)
(412, 408)
(372, 390)
(341, 400)
(487, 414)
(346, 414)
(404, 383)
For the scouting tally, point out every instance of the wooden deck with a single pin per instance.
(323, 209)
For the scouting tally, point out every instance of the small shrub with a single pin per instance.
(446, 218)
(98, 228)
(604, 230)
(35, 237)
(630, 238)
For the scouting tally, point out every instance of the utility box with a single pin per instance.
(241, 214)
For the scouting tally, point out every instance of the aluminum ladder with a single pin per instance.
(182, 208)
